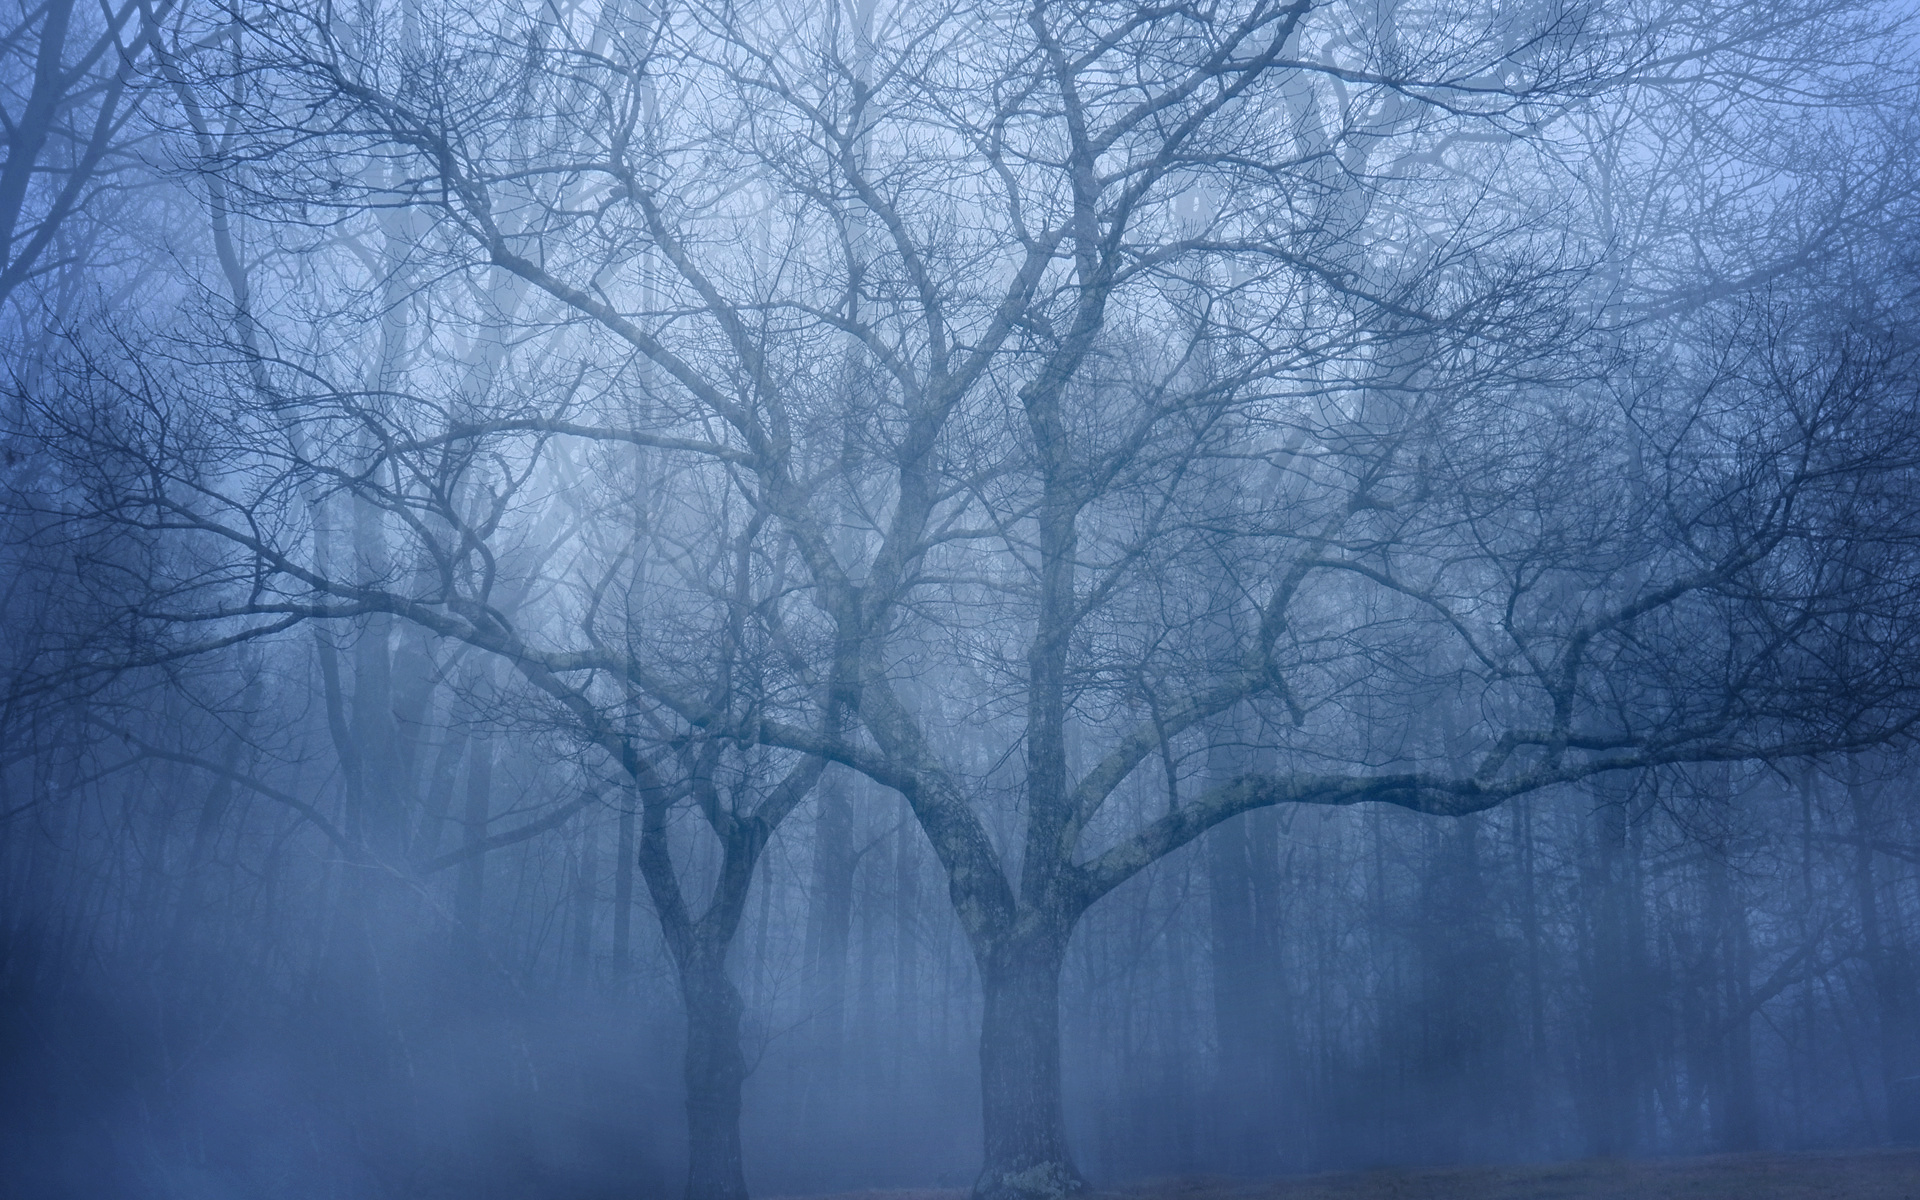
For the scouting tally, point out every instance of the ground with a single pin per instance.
(1852, 1175)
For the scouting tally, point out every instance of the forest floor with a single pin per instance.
(1853, 1175)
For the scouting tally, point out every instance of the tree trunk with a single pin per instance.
(829, 936)
(1250, 997)
(1026, 1143)
(830, 918)
(1613, 1081)
(474, 814)
(580, 962)
(1899, 1059)
(1735, 1105)
(715, 1068)
(187, 911)
(623, 899)
(715, 1071)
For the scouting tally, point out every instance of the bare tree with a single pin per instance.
(74, 82)
(1116, 375)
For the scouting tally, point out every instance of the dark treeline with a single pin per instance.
(626, 597)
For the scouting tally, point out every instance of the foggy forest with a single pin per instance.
(719, 598)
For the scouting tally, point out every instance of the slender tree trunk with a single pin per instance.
(437, 797)
(1612, 1079)
(830, 917)
(1237, 1007)
(1735, 1112)
(1811, 1063)
(623, 898)
(580, 958)
(1899, 1063)
(371, 711)
(187, 911)
(906, 912)
(829, 939)
(471, 885)
(1026, 1142)
(413, 683)
(761, 930)
(1535, 1125)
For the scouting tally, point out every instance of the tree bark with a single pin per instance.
(715, 1071)
(1026, 1143)
(715, 1067)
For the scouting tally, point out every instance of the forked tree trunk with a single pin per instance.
(715, 1067)
(715, 1071)
(1026, 1143)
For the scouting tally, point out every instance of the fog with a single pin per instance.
(717, 600)
(1582, 974)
